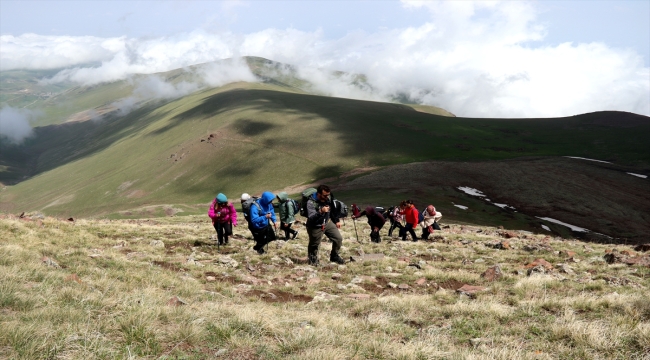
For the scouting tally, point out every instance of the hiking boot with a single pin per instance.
(335, 258)
(260, 251)
(293, 236)
(312, 260)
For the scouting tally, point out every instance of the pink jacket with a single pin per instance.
(227, 213)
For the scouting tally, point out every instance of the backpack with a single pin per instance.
(421, 216)
(246, 207)
(306, 194)
(294, 204)
(388, 214)
(339, 208)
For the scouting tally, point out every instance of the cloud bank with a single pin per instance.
(479, 59)
(14, 123)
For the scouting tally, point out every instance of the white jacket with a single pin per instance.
(430, 219)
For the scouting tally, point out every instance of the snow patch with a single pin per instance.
(461, 206)
(546, 228)
(581, 158)
(470, 191)
(639, 175)
(503, 206)
(572, 227)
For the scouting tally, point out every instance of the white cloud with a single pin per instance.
(14, 123)
(482, 59)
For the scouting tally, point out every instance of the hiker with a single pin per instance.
(288, 208)
(224, 217)
(375, 220)
(430, 222)
(245, 200)
(320, 221)
(262, 221)
(395, 216)
(411, 215)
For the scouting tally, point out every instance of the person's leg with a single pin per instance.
(287, 230)
(425, 233)
(226, 232)
(402, 232)
(333, 233)
(411, 231)
(216, 229)
(294, 233)
(436, 226)
(392, 226)
(315, 235)
(219, 228)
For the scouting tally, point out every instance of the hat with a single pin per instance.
(222, 198)
(432, 210)
(245, 196)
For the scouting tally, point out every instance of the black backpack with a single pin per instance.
(246, 207)
(339, 209)
(421, 216)
(306, 194)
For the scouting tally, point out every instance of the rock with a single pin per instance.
(322, 297)
(542, 262)
(421, 281)
(49, 262)
(538, 247)
(479, 260)
(228, 261)
(221, 352)
(568, 253)
(403, 286)
(627, 253)
(157, 244)
(367, 257)
(391, 285)
(536, 270)
(642, 247)
(336, 276)
(389, 269)
(176, 301)
(94, 256)
(501, 245)
(573, 260)
(210, 278)
(359, 296)
(313, 281)
(565, 269)
(508, 234)
(469, 290)
(493, 273)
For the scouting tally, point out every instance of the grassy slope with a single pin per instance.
(110, 297)
(267, 138)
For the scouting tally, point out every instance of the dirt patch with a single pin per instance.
(451, 284)
(136, 194)
(278, 296)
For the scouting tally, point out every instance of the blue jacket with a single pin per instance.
(258, 216)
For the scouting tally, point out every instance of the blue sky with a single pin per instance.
(500, 58)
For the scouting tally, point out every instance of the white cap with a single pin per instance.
(245, 196)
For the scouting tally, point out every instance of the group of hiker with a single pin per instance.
(323, 213)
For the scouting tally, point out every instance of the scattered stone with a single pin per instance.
(403, 286)
(568, 253)
(313, 281)
(157, 244)
(536, 270)
(228, 261)
(210, 278)
(359, 296)
(565, 269)
(615, 257)
(94, 256)
(501, 245)
(391, 285)
(322, 297)
(389, 269)
(573, 260)
(176, 301)
(69, 219)
(476, 342)
(336, 276)
(479, 260)
(49, 262)
(493, 273)
(421, 281)
(367, 257)
(537, 247)
(508, 234)
(470, 290)
(547, 265)
(220, 352)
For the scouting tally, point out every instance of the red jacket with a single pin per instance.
(411, 215)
